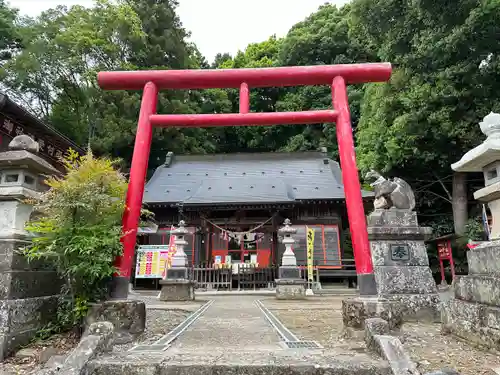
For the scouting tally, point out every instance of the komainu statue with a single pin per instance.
(395, 193)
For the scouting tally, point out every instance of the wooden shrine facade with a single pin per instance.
(234, 205)
(219, 233)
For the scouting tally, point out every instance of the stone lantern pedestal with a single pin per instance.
(404, 289)
(289, 284)
(177, 286)
(28, 291)
(401, 264)
(474, 313)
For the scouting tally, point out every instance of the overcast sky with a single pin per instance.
(220, 25)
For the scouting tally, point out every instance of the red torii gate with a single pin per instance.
(335, 75)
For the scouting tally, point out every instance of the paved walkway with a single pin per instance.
(236, 324)
(231, 336)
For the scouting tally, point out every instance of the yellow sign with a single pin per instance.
(310, 253)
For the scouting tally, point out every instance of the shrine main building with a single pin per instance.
(234, 204)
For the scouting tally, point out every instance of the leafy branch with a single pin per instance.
(78, 230)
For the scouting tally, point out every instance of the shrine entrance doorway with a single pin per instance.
(336, 76)
(248, 248)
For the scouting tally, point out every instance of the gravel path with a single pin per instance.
(158, 323)
(35, 354)
(433, 350)
(321, 320)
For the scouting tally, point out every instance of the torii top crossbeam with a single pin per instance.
(337, 76)
(233, 78)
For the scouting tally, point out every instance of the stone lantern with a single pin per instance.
(485, 158)
(177, 286)
(289, 261)
(289, 285)
(474, 313)
(28, 291)
(179, 259)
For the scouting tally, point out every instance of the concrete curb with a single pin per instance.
(96, 340)
(379, 340)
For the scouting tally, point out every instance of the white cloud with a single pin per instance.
(220, 25)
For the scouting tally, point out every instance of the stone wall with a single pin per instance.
(474, 313)
(28, 297)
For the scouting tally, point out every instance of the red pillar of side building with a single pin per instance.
(135, 192)
(352, 189)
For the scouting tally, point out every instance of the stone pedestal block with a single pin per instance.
(177, 273)
(128, 318)
(28, 296)
(21, 319)
(289, 272)
(393, 280)
(485, 259)
(356, 310)
(473, 322)
(474, 313)
(405, 287)
(290, 289)
(177, 290)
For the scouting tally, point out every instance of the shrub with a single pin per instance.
(77, 228)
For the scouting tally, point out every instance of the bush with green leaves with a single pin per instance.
(77, 228)
(475, 229)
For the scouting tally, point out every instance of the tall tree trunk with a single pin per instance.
(459, 202)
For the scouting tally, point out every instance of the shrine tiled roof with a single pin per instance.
(253, 178)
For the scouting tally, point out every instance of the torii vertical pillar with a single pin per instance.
(352, 190)
(338, 76)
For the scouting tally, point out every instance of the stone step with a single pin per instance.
(284, 362)
(474, 322)
(487, 316)
(478, 288)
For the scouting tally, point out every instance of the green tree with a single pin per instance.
(220, 59)
(9, 38)
(78, 230)
(165, 38)
(427, 116)
(164, 46)
(55, 73)
(322, 38)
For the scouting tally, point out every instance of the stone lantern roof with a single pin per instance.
(487, 152)
(23, 154)
(22, 171)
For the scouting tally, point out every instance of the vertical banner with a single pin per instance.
(310, 254)
(167, 257)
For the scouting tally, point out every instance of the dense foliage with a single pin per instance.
(77, 229)
(446, 60)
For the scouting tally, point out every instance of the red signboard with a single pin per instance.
(445, 253)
